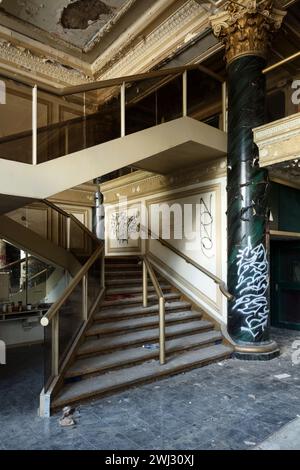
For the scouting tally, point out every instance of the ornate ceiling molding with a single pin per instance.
(189, 19)
(245, 27)
(174, 29)
(20, 60)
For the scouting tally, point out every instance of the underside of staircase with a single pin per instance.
(120, 346)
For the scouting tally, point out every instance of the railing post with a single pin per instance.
(162, 351)
(224, 106)
(55, 345)
(26, 278)
(84, 115)
(66, 140)
(123, 110)
(85, 297)
(145, 285)
(34, 125)
(68, 233)
(102, 280)
(184, 94)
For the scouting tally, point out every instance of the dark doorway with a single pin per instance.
(285, 284)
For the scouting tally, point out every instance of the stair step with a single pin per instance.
(126, 281)
(145, 372)
(128, 273)
(123, 300)
(130, 324)
(134, 289)
(113, 342)
(117, 359)
(115, 313)
(113, 266)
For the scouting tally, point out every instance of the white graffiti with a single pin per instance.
(253, 283)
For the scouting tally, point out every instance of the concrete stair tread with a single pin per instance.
(136, 299)
(109, 342)
(121, 358)
(134, 289)
(127, 281)
(123, 274)
(113, 266)
(141, 322)
(127, 312)
(148, 371)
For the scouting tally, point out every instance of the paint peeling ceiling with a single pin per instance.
(76, 22)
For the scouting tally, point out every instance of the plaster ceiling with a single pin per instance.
(76, 22)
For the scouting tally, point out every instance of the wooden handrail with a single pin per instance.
(187, 259)
(54, 309)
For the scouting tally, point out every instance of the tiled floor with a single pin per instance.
(229, 405)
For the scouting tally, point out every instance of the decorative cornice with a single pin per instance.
(245, 27)
(277, 131)
(82, 195)
(142, 183)
(25, 61)
(278, 141)
(172, 30)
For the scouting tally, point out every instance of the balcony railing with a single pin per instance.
(98, 112)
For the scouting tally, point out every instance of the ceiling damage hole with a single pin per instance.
(82, 13)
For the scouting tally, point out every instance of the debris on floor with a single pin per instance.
(150, 346)
(67, 418)
(282, 376)
(249, 443)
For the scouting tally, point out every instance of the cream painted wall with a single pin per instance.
(16, 114)
(188, 279)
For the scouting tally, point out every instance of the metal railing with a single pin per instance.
(282, 62)
(222, 285)
(52, 316)
(98, 85)
(147, 269)
(14, 263)
(24, 278)
(39, 138)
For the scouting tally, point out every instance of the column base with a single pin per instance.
(262, 352)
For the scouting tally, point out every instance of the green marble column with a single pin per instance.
(247, 212)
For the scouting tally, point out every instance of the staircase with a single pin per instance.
(120, 346)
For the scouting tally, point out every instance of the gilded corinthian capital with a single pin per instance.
(246, 26)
